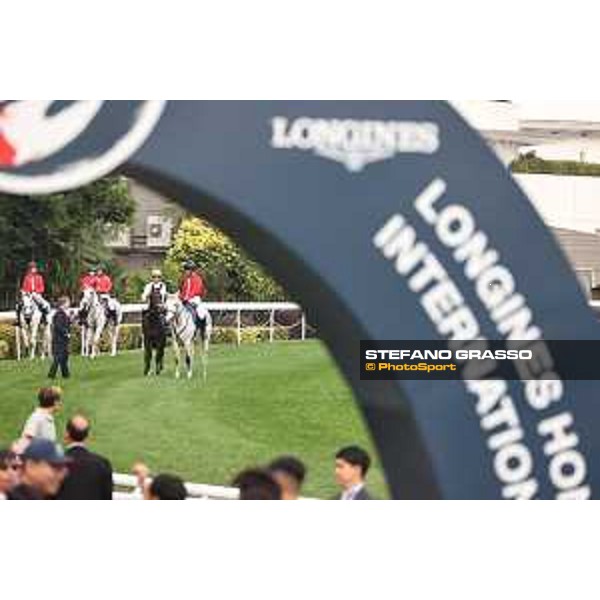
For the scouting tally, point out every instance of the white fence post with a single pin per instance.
(272, 326)
(18, 342)
(303, 327)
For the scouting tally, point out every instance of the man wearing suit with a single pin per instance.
(351, 467)
(90, 475)
(61, 334)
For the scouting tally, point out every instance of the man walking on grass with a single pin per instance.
(61, 335)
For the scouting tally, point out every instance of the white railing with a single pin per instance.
(126, 488)
(238, 307)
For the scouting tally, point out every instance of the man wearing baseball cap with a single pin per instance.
(43, 471)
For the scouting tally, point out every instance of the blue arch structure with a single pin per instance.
(323, 193)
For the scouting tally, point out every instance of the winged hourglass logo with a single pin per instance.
(48, 145)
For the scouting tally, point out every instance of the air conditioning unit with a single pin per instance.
(159, 230)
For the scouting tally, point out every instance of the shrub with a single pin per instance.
(229, 272)
(8, 345)
(131, 337)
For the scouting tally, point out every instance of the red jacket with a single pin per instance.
(87, 281)
(191, 286)
(104, 284)
(33, 282)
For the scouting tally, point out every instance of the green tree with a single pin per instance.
(64, 232)
(229, 272)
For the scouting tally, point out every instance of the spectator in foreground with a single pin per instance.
(165, 487)
(61, 334)
(9, 472)
(289, 473)
(351, 467)
(44, 469)
(41, 422)
(257, 484)
(90, 475)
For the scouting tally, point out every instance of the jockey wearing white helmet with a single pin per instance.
(156, 286)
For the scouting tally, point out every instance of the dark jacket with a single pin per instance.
(89, 478)
(61, 329)
(24, 492)
(362, 494)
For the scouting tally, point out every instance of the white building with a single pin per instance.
(570, 205)
(554, 131)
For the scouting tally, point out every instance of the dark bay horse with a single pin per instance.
(154, 329)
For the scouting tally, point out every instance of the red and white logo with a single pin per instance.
(34, 131)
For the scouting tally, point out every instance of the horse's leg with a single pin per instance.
(116, 331)
(203, 359)
(25, 338)
(99, 330)
(88, 341)
(33, 340)
(189, 358)
(83, 340)
(177, 355)
(115, 339)
(43, 343)
(205, 346)
(49, 341)
(160, 357)
(147, 358)
(95, 340)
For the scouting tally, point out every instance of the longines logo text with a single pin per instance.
(355, 143)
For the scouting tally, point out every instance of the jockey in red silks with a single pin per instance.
(192, 290)
(88, 280)
(103, 287)
(104, 284)
(33, 284)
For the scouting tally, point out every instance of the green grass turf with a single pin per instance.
(261, 400)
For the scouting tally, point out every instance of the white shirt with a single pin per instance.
(160, 287)
(40, 425)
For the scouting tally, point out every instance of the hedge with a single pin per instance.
(130, 338)
(530, 163)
